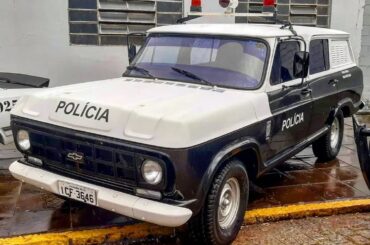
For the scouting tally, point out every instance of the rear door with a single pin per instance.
(290, 105)
(350, 76)
(323, 82)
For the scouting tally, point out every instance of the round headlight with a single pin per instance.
(152, 172)
(23, 140)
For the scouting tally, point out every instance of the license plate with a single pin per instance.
(77, 192)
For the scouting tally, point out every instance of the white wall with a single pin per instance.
(348, 16)
(365, 51)
(35, 40)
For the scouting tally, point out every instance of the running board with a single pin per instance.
(293, 150)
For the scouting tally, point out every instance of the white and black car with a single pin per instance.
(202, 110)
(12, 87)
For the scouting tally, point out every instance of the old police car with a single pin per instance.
(202, 110)
(12, 87)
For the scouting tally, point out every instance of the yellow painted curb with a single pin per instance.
(137, 231)
(306, 210)
(93, 236)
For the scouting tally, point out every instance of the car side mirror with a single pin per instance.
(301, 61)
(131, 52)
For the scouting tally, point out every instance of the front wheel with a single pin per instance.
(223, 213)
(327, 147)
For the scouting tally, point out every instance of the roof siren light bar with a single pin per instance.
(269, 6)
(268, 2)
(196, 6)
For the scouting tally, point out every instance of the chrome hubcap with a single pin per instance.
(334, 134)
(228, 205)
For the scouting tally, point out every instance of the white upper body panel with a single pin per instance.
(159, 113)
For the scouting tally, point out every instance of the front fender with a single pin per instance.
(224, 154)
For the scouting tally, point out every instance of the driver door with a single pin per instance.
(290, 103)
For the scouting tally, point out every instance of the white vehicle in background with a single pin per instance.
(12, 87)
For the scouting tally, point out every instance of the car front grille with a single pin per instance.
(105, 162)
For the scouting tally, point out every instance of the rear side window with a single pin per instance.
(282, 68)
(319, 56)
(340, 53)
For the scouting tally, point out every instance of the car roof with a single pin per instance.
(248, 30)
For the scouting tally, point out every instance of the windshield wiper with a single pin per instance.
(192, 75)
(141, 70)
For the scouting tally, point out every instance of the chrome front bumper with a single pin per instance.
(122, 203)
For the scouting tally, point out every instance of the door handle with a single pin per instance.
(306, 91)
(334, 82)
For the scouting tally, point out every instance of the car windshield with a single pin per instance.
(220, 61)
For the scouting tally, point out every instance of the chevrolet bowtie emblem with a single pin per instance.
(76, 157)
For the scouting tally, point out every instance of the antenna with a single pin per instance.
(269, 6)
(290, 27)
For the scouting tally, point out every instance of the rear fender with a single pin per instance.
(347, 102)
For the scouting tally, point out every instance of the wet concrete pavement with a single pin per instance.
(25, 209)
(349, 229)
(304, 179)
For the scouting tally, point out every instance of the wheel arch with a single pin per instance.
(243, 149)
(347, 107)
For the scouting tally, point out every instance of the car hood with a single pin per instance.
(153, 112)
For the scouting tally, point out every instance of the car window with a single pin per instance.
(340, 53)
(282, 69)
(319, 56)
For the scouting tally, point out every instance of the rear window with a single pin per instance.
(319, 56)
(340, 53)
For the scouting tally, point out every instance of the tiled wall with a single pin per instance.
(107, 22)
(300, 12)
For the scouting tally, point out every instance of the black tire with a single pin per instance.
(322, 148)
(205, 227)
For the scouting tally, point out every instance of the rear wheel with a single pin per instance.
(223, 213)
(327, 147)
